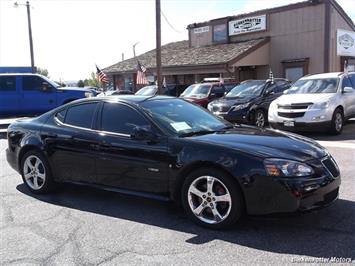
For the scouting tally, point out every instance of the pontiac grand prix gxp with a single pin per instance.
(167, 148)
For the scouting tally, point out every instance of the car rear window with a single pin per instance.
(80, 115)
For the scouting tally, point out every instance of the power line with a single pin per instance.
(167, 21)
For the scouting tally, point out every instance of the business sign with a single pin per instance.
(345, 43)
(246, 25)
(202, 29)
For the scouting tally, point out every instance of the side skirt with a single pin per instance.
(123, 191)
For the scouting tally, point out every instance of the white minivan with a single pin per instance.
(315, 102)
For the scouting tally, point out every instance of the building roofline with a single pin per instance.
(278, 9)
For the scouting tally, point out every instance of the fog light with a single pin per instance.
(318, 117)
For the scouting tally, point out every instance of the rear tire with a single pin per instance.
(337, 122)
(36, 173)
(211, 198)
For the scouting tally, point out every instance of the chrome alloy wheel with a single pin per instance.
(209, 199)
(338, 121)
(34, 172)
(260, 119)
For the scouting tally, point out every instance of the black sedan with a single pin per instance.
(167, 148)
(249, 102)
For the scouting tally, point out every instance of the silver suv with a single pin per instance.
(315, 102)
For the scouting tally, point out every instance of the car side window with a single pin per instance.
(34, 83)
(218, 90)
(352, 79)
(119, 118)
(281, 86)
(7, 83)
(346, 83)
(61, 115)
(80, 115)
(271, 88)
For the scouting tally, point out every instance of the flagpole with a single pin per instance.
(158, 43)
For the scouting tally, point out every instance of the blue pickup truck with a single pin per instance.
(31, 94)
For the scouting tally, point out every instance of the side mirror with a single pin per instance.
(348, 90)
(143, 133)
(285, 91)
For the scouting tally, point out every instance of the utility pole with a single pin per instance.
(29, 32)
(158, 43)
(30, 36)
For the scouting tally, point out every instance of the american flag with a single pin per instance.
(271, 76)
(141, 78)
(101, 76)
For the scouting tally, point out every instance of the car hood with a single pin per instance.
(229, 101)
(265, 143)
(304, 97)
(75, 89)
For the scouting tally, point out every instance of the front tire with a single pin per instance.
(337, 122)
(260, 119)
(36, 174)
(212, 198)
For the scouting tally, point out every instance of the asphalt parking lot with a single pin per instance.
(78, 225)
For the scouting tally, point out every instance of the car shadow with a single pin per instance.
(325, 233)
(348, 133)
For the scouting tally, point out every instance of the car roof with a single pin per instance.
(136, 99)
(16, 74)
(325, 75)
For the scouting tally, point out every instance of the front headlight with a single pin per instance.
(286, 168)
(89, 94)
(239, 107)
(322, 105)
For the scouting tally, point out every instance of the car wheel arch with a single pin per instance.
(179, 181)
(24, 150)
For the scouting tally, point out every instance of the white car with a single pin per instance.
(315, 102)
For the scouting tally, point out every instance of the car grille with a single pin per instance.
(291, 115)
(331, 166)
(294, 106)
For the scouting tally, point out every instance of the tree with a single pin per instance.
(93, 82)
(42, 71)
(81, 84)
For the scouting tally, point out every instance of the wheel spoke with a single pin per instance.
(217, 216)
(223, 198)
(198, 210)
(35, 182)
(29, 164)
(28, 175)
(210, 181)
(37, 163)
(196, 191)
(41, 176)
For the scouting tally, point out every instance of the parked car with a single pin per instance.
(152, 90)
(115, 92)
(30, 94)
(249, 102)
(203, 93)
(166, 148)
(316, 102)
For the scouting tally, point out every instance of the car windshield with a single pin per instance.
(147, 91)
(328, 85)
(197, 90)
(54, 84)
(182, 118)
(246, 89)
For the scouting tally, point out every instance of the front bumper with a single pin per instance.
(267, 195)
(302, 126)
(239, 116)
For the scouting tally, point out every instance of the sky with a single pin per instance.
(70, 37)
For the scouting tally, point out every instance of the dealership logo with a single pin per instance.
(346, 41)
(247, 23)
